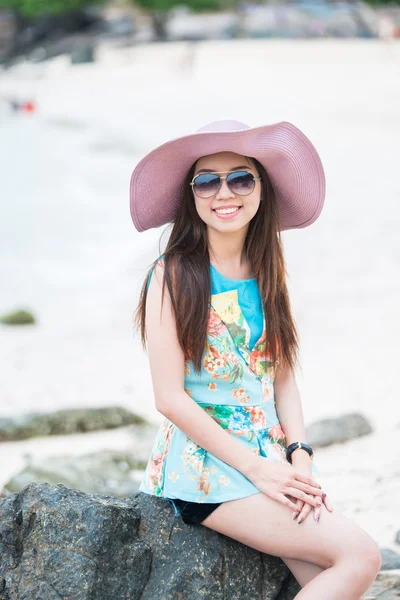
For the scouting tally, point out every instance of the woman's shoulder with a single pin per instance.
(159, 261)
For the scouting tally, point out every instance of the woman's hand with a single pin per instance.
(304, 508)
(278, 480)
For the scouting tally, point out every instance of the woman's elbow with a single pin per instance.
(164, 403)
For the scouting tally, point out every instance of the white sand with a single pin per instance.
(71, 254)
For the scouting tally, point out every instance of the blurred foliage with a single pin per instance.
(19, 317)
(166, 5)
(382, 3)
(34, 8)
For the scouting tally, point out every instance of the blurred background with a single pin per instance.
(86, 89)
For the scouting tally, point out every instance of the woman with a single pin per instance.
(231, 453)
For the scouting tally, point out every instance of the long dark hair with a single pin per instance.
(187, 276)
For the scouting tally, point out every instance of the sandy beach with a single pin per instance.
(71, 254)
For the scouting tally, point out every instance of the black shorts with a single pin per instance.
(193, 513)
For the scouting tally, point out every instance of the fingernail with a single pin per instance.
(299, 522)
(323, 495)
(317, 519)
(294, 516)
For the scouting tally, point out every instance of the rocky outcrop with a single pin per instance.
(106, 472)
(385, 587)
(60, 543)
(390, 559)
(67, 421)
(57, 542)
(337, 430)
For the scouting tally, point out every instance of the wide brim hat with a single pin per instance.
(290, 159)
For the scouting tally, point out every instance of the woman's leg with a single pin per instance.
(349, 558)
(302, 570)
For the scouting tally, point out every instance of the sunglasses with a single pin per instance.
(240, 183)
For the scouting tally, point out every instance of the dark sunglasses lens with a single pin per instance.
(206, 185)
(241, 182)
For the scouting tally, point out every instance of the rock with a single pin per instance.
(71, 420)
(390, 559)
(337, 430)
(18, 317)
(398, 537)
(385, 587)
(82, 53)
(61, 543)
(106, 472)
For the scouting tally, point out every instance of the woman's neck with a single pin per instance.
(228, 256)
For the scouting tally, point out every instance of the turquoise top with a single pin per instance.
(248, 296)
(235, 387)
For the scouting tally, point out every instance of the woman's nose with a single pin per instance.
(224, 191)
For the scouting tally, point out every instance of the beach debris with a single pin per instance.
(18, 105)
(18, 317)
(337, 430)
(66, 421)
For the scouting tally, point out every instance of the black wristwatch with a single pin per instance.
(292, 447)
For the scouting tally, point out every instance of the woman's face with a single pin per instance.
(247, 206)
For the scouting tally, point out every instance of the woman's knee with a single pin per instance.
(371, 558)
(363, 556)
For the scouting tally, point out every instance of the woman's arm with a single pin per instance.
(167, 373)
(290, 413)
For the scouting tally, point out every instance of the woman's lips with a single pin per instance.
(227, 215)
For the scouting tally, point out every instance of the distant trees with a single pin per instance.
(382, 2)
(26, 12)
(35, 8)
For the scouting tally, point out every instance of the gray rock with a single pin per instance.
(61, 422)
(105, 472)
(390, 559)
(337, 430)
(62, 543)
(82, 53)
(385, 587)
(18, 317)
(397, 539)
(59, 543)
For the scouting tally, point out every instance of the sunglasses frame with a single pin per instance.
(220, 180)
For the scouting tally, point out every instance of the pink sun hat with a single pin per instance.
(290, 159)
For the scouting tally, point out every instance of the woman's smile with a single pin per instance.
(226, 212)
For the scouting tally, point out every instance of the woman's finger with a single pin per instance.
(308, 489)
(304, 512)
(327, 503)
(299, 505)
(317, 511)
(317, 514)
(313, 500)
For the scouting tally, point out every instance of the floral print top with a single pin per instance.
(236, 388)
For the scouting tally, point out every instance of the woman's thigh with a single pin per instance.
(266, 525)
